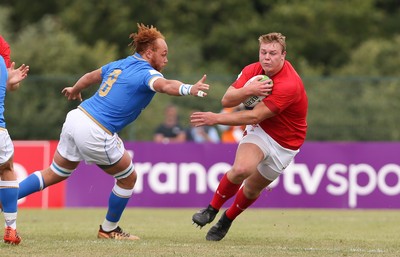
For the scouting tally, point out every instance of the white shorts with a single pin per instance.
(276, 157)
(6, 146)
(82, 139)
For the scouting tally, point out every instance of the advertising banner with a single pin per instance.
(323, 175)
(30, 156)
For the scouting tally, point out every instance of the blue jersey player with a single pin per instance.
(9, 81)
(90, 131)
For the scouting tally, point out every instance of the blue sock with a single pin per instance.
(33, 183)
(9, 196)
(117, 203)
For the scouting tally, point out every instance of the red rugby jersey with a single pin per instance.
(5, 51)
(288, 100)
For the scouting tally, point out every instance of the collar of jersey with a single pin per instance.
(138, 56)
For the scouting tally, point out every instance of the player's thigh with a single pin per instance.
(6, 156)
(120, 165)
(248, 156)
(83, 139)
(64, 163)
(7, 170)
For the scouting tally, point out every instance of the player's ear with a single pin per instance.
(148, 53)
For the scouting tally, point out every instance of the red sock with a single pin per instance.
(239, 205)
(225, 191)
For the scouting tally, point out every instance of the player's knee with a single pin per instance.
(127, 177)
(127, 182)
(239, 173)
(53, 176)
(57, 172)
(6, 169)
(131, 179)
(128, 172)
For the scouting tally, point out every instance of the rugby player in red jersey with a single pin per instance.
(276, 129)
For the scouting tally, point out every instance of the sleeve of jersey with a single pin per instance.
(151, 77)
(104, 69)
(282, 96)
(5, 52)
(247, 73)
(242, 78)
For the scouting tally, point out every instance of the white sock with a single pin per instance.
(10, 220)
(108, 225)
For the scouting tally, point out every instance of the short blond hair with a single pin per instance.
(145, 38)
(273, 37)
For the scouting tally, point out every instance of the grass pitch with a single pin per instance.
(169, 232)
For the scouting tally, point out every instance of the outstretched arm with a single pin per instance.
(178, 88)
(246, 117)
(15, 76)
(91, 78)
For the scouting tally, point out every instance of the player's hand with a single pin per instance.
(199, 87)
(71, 94)
(15, 76)
(260, 88)
(203, 119)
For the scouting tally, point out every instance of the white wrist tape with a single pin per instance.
(184, 89)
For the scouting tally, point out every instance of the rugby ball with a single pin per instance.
(250, 102)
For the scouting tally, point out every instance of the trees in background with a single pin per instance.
(344, 50)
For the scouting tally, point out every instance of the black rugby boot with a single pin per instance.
(219, 230)
(204, 216)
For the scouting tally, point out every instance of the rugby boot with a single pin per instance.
(219, 230)
(116, 234)
(11, 236)
(204, 216)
